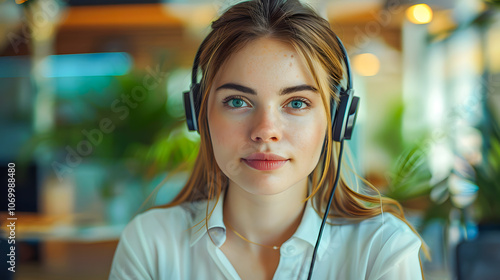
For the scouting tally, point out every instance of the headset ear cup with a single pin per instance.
(333, 112)
(192, 107)
(188, 111)
(341, 117)
(197, 103)
(351, 117)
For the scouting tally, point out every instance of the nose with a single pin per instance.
(266, 126)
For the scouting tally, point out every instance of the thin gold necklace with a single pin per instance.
(242, 237)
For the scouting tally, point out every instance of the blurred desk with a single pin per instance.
(69, 247)
(78, 228)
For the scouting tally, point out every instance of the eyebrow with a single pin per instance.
(283, 91)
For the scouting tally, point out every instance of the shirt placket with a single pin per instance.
(291, 261)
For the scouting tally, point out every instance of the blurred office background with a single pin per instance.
(92, 116)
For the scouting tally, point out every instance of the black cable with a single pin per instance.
(337, 176)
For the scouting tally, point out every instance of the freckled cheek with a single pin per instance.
(224, 132)
(309, 141)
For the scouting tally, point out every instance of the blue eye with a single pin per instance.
(234, 102)
(298, 103)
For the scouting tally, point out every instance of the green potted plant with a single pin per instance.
(129, 135)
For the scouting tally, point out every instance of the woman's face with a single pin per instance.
(264, 100)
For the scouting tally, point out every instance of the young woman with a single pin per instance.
(253, 205)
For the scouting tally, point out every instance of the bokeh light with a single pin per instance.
(366, 64)
(419, 14)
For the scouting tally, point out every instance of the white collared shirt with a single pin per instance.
(163, 244)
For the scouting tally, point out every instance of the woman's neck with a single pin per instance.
(265, 219)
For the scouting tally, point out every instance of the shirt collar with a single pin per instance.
(308, 228)
(216, 226)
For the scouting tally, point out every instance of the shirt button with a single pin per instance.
(290, 250)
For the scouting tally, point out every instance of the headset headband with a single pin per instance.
(194, 70)
(343, 114)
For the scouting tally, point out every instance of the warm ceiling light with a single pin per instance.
(366, 64)
(419, 14)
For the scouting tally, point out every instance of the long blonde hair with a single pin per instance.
(311, 36)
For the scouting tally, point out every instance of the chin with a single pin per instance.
(265, 188)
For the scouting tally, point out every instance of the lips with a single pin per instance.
(264, 156)
(265, 161)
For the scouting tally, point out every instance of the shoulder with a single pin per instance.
(149, 239)
(379, 244)
(394, 249)
(159, 216)
(382, 232)
(387, 228)
(386, 223)
(389, 238)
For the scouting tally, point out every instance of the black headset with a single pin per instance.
(343, 116)
(343, 120)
